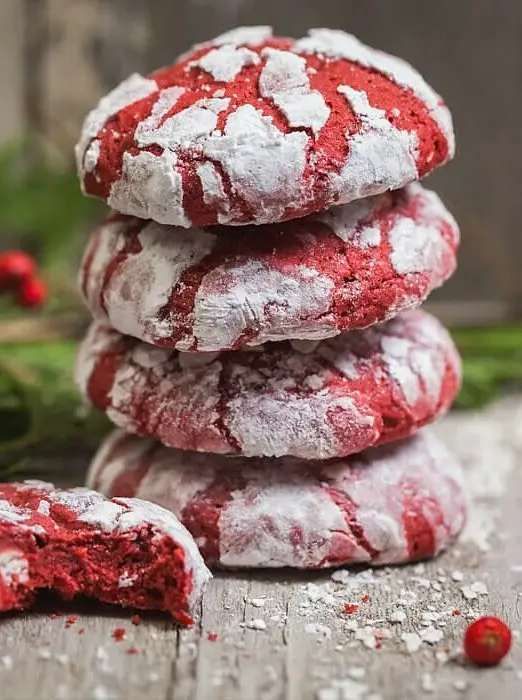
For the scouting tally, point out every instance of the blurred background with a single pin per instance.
(57, 57)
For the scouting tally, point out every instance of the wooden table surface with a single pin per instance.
(287, 635)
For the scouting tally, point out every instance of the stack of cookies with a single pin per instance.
(257, 338)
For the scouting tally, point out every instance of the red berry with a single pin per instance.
(15, 267)
(487, 641)
(32, 293)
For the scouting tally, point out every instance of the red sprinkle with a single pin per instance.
(487, 641)
(81, 630)
(136, 620)
(71, 620)
(212, 637)
(365, 598)
(131, 651)
(350, 608)
(378, 645)
(119, 634)
(457, 612)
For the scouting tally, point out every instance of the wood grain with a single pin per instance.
(44, 657)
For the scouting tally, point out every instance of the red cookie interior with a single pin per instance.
(76, 542)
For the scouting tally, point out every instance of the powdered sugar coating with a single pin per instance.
(225, 62)
(284, 80)
(302, 125)
(13, 566)
(378, 142)
(310, 279)
(134, 88)
(353, 391)
(387, 506)
(59, 516)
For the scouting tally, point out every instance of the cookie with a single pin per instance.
(77, 542)
(254, 129)
(314, 401)
(312, 278)
(389, 505)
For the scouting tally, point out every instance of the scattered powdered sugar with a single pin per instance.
(431, 635)
(316, 628)
(259, 625)
(397, 616)
(427, 683)
(6, 663)
(101, 693)
(488, 448)
(461, 685)
(346, 689)
(256, 602)
(474, 590)
(412, 641)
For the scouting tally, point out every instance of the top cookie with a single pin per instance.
(253, 129)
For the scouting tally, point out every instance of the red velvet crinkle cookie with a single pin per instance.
(389, 505)
(251, 128)
(315, 401)
(312, 278)
(77, 542)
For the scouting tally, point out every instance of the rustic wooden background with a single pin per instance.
(58, 56)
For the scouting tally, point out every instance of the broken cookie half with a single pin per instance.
(77, 542)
